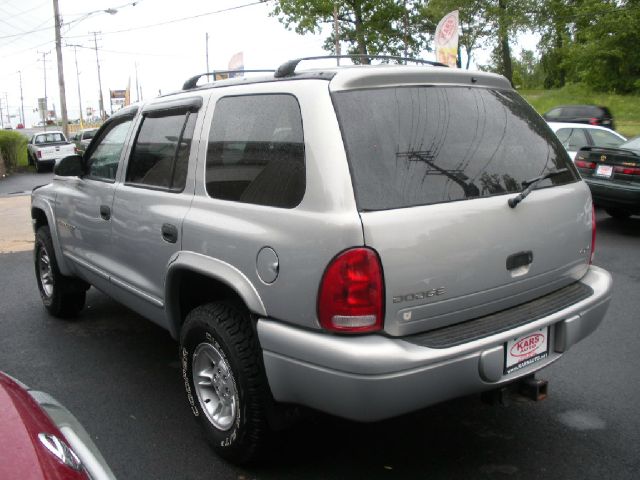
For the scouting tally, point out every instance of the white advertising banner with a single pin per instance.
(446, 39)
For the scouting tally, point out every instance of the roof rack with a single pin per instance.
(192, 82)
(288, 68)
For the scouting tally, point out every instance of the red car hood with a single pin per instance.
(22, 454)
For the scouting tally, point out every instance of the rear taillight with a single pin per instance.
(583, 164)
(593, 233)
(39, 154)
(593, 121)
(350, 298)
(627, 170)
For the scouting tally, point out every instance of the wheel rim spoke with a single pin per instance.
(46, 272)
(215, 386)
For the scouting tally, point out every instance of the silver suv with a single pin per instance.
(365, 241)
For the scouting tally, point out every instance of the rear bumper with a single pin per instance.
(372, 377)
(612, 195)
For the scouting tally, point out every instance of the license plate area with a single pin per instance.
(604, 171)
(525, 350)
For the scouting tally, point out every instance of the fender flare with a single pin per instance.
(214, 269)
(38, 203)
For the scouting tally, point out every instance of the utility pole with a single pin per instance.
(75, 54)
(1, 115)
(63, 95)
(207, 50)
(100, 98)
(6, 106)
(336, 29)
(137, 87)
(22, 120)
(44, 69)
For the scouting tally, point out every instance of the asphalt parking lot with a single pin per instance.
(120, 376)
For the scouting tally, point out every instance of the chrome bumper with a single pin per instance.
(373, 377)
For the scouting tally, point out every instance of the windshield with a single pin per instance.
(412, 146)
(88, 134)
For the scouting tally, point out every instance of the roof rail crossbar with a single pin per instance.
(193, 81)
(288, 68)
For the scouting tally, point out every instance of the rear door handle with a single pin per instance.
(105, 212)
(169, 233)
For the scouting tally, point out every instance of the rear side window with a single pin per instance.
(256, 151)
(412, 146)
(160, 154)
(602, 138)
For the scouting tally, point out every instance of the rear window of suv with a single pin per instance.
(410, 146)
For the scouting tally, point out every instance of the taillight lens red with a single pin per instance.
(351, 295)
(583, 164)
(593, 233)
(627, 170)
(593, 121)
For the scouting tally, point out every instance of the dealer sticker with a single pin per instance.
(525, 350)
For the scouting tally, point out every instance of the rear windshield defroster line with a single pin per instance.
(410, 146)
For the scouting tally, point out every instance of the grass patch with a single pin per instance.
(625, 108)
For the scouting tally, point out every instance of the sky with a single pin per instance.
(148, 35)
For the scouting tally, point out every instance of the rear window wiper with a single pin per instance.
(531, 183)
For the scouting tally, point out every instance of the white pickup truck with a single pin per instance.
(45, 149)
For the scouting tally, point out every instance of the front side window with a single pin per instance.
(160, 154)
(410, 146)
(256, 151)
(103, 161)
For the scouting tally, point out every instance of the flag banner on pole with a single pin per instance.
(236, 63)
(446, 39)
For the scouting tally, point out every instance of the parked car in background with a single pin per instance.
(82, 138)
(45, 149)
(590, 114)
(574, 136)
(613, 175)
(41, 440)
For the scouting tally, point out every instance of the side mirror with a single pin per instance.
(71, 166)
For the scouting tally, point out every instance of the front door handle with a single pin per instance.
(105, 212)
(169, 233)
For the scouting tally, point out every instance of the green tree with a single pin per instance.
(552, 20)
(527, 71)
(368, 27)
(604, 53)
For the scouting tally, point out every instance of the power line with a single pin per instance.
(111, 11)
(168, 22)
(15, 15)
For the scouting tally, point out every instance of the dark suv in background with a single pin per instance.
(591, 114)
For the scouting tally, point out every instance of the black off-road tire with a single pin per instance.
(62, 296)
(618, 213)
(226, 330)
